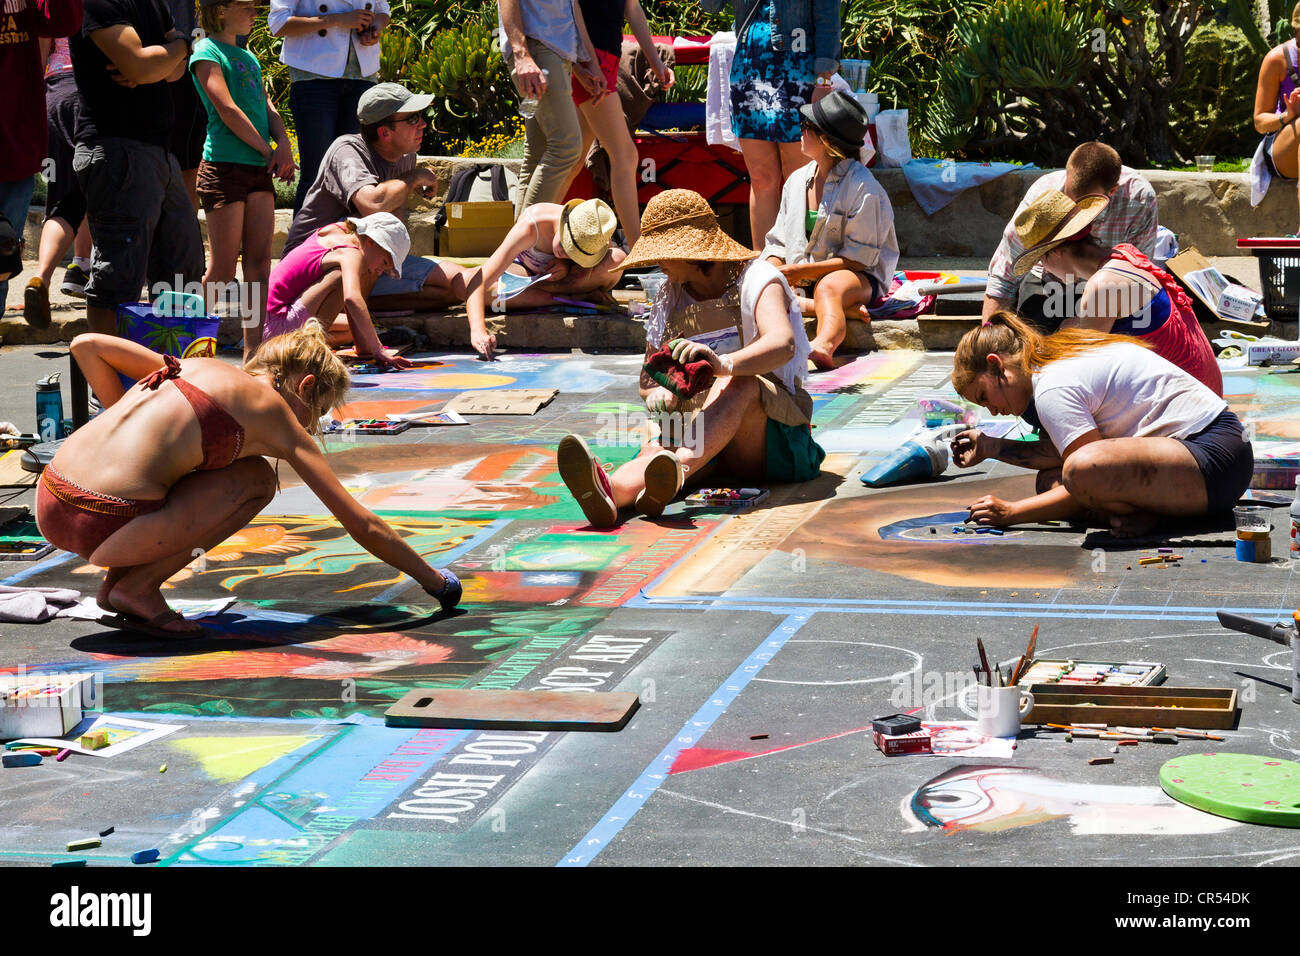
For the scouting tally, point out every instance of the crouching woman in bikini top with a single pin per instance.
(177, 463)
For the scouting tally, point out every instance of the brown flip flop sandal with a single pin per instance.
(152, 627)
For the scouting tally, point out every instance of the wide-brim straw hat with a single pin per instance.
(679, 225)
(1050, 220)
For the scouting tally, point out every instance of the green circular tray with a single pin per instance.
(1244, 787)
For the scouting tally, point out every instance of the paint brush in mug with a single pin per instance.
(984, 660)
(1029, 656)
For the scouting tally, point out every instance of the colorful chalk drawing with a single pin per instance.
(459, 373)
(276, 555)
(994, 798)
(1269, 399)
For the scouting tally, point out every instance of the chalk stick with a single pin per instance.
(21, 758)
(144, 856)
(63, 755)
(997, 531)
(77, 862)
(1100, 760)
(95, 740)
(1164, 550)
(162, 769)
(1155, 560)
(87, 844)
(105, 833)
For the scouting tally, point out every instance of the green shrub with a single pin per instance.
(1031, 79)
(463, 69)
(1213, 105)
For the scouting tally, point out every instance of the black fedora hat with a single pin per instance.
(839, 116)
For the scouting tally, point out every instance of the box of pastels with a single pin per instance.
(1093, 673)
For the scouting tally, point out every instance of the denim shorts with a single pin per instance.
(415, 269)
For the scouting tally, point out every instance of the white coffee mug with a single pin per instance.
(999, 710)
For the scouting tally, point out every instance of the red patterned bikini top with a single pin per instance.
(221, 435)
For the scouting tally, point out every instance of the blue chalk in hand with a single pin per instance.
(144, 856)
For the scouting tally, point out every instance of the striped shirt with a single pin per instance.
(1130, 216)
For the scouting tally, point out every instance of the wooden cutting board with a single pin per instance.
(512, 710)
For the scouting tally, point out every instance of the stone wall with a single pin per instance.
(1206, 210)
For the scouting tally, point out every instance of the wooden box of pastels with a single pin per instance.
(1199, 708)
(1093, 673)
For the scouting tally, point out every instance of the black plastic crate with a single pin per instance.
(1279, 276)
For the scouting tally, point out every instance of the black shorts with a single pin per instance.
(1225, 458)
(63, 198)
(190, 124)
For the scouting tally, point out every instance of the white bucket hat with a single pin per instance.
(388, 231)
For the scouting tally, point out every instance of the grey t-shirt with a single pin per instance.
(349, 165)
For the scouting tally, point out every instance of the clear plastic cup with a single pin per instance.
(651, 283)
(1253, 518)
(1205, 164)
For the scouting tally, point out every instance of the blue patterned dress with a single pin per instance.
(768, 86)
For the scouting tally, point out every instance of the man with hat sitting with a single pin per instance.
(1124, 292)
(375, 171)
(834, 234)
(1129, 216)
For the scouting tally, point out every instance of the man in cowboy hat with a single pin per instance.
(1093, 169)
(375, 171)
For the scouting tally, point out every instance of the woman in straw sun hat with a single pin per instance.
(723, 307)
(1125, 293)
(569, 243)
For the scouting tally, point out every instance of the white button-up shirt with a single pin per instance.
(855, 220)
(324, 55)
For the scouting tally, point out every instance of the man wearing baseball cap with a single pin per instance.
(375, 171)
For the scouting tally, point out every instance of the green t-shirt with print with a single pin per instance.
(244, 81)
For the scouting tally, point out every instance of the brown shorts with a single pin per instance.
(221, 184)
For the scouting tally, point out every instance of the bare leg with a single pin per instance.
(101, 320)
(259, 223)
(792, 158)
(56, 236)
(833, 296)
(763, 160)
(610, 125)
(203, 509)
(225, 232)
(1286, 152)
(731, 427)
(1133, 479)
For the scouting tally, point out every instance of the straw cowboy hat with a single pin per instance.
(586, 226)
(678, 224)
(1051, 219)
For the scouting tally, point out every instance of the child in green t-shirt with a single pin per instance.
(235, 185)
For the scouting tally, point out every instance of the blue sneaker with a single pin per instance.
(451, 591)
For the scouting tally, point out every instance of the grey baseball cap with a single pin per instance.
(385, 99)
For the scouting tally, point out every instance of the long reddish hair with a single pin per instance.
(1018, 343)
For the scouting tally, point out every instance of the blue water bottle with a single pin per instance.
(49, 408)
